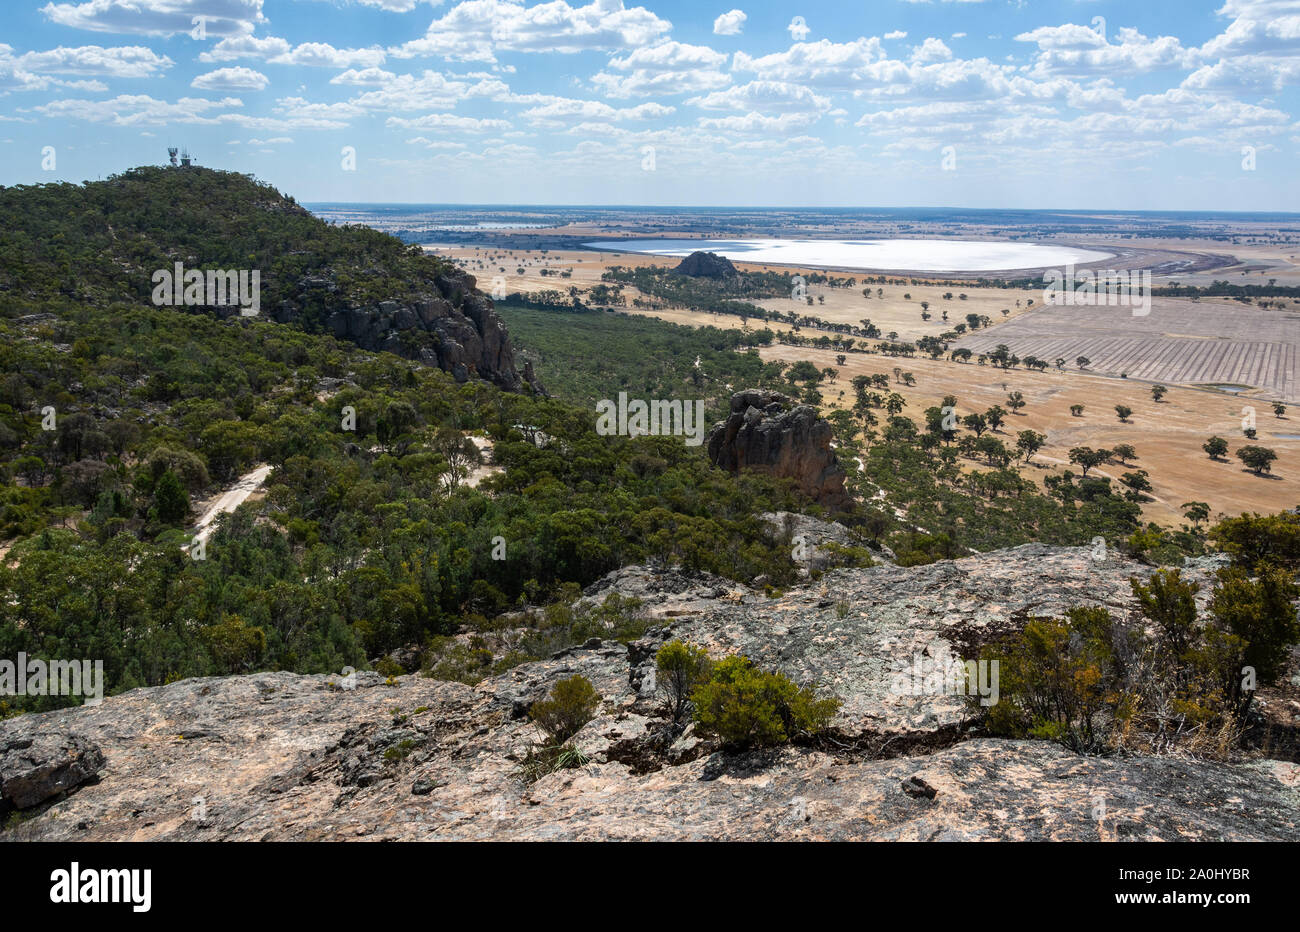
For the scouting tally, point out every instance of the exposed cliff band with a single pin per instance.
(469, 339)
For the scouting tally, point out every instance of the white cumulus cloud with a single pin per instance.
(730, 23)
(231, 79)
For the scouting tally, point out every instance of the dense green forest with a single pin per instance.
(590, 354)
(368, 539)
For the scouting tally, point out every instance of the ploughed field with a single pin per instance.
(1179, 342)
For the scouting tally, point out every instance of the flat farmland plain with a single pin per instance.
(1167, 434)
(1181, 342)
(1186, 345)
(892, 308)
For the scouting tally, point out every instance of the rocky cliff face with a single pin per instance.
(465, 335)
(768, 433)
(282, 756)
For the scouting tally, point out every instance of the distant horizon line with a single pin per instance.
(700, 207)
(706, 207)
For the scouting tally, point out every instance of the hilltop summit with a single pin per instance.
(359, 284)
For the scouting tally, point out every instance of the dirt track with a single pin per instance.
(229, 500)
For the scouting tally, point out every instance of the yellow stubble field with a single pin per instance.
(1167, 435)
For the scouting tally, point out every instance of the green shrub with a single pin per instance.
(1254, 540)
(543, 761)
(749, 707)
(572, 704)
(1055, 679)
(235, 646)
(450, 659)
(1170, 604)
(401, 750)
(849, 555)
(679, 668)
(916, 549)
(171, 504)
(1093, 684)
(1259, 616)
(563, 624)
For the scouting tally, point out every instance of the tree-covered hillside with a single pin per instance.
(119, 420)
(102, 241)
(589, 354)
(368, 539)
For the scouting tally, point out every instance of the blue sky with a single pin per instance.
(980, 103)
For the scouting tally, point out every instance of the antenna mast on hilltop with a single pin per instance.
(171, 154)
(185, 158)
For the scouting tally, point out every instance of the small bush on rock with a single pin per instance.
(1056, 679)
(749, 707)
(573, 703)
(544, 761)
(679, 669)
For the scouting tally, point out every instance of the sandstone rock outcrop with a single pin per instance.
(767, 432)
(280, 756)
(464, 334)
(815, 539)
(36, 766)
(706, 265)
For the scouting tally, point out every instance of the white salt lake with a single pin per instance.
(917, 255)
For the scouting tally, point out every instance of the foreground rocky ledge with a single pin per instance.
(279, 756)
